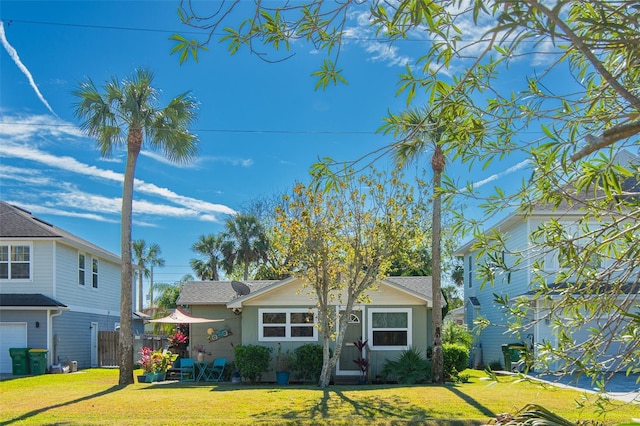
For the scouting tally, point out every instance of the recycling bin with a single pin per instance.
(38, 361)
(19, 362)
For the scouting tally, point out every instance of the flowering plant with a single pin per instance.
(201, 349)
(156, 361)
(178, 339)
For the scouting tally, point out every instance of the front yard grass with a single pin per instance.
(92, 397)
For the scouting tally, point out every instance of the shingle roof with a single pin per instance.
(28, 300)
(221, 292)
(418, 285)
(18, 223)
(215, 292)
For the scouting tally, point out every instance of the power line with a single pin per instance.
(253, 131)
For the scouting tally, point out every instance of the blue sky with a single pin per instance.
(261, 125)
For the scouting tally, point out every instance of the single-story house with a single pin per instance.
(269, 313)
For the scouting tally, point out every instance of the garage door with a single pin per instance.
(12, 335)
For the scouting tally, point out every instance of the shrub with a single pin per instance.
(308, 361)
(409, 368)
(252, 361)
(456, 359)
(455, 333)
(495, 365)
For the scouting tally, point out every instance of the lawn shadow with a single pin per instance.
(25, 416)
(471, 401)
(364, 409)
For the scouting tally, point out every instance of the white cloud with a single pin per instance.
(16, 59)
(18, 141)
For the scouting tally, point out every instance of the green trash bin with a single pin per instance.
(19, 362)
(38, 361)
(512, 353)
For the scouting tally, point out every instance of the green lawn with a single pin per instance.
(91, 397)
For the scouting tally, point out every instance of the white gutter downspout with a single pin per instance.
(51, 355)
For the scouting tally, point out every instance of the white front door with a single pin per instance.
(12, 335)
(94, 344)
(355, 330)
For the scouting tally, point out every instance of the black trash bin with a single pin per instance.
(38, 361)
(19, 362)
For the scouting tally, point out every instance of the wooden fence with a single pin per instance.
(108, 346)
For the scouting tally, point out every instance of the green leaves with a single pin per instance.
(328, 73)
(185, 47)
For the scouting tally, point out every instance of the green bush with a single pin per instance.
(456, 359)
(410, 368)
(455, 333)
(308, 362)
(252, 361)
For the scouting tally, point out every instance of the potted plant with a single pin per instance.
(148, 365)
(361, 361)
(202, 351)
(283, 365)
(163, 362)
(155, 364)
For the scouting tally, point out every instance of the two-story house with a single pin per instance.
(536, 262)
(56, 290)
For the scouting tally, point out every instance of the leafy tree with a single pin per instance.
(146, 258)
(211, 248)
(126, 114)
(246, 243)
(341, 241)
(572, 134)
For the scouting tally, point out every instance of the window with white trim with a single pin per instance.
(15, 262)
(94, 272)
(389, 328)
(470, 271)
(287, 324)
(82, 268)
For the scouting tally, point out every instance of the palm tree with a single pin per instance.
(211, 248)
(126, 114)
(247, 243)
(421, 131)
(146, 258)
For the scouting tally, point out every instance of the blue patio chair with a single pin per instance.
(187, 370)
(215, 370)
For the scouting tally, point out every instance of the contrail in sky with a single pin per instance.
(14, 55)
(510, 170)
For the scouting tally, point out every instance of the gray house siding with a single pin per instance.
(36, 336)
(72, 336)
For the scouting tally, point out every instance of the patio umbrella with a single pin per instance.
(181, 317)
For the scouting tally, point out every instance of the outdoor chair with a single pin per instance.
(187, 370)
(215, 370)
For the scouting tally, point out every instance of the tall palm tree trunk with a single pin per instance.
(125, 342)
(437, 164)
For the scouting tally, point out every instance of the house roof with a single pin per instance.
(222, 292)
(29, 301)
(215, 292)
(418, 286)
(19, 224)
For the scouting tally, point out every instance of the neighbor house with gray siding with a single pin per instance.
(56, 290)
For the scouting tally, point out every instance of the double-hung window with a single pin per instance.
(15, 262)
(94, 272)
(287, 324)
(389, 328)
(82, 268)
